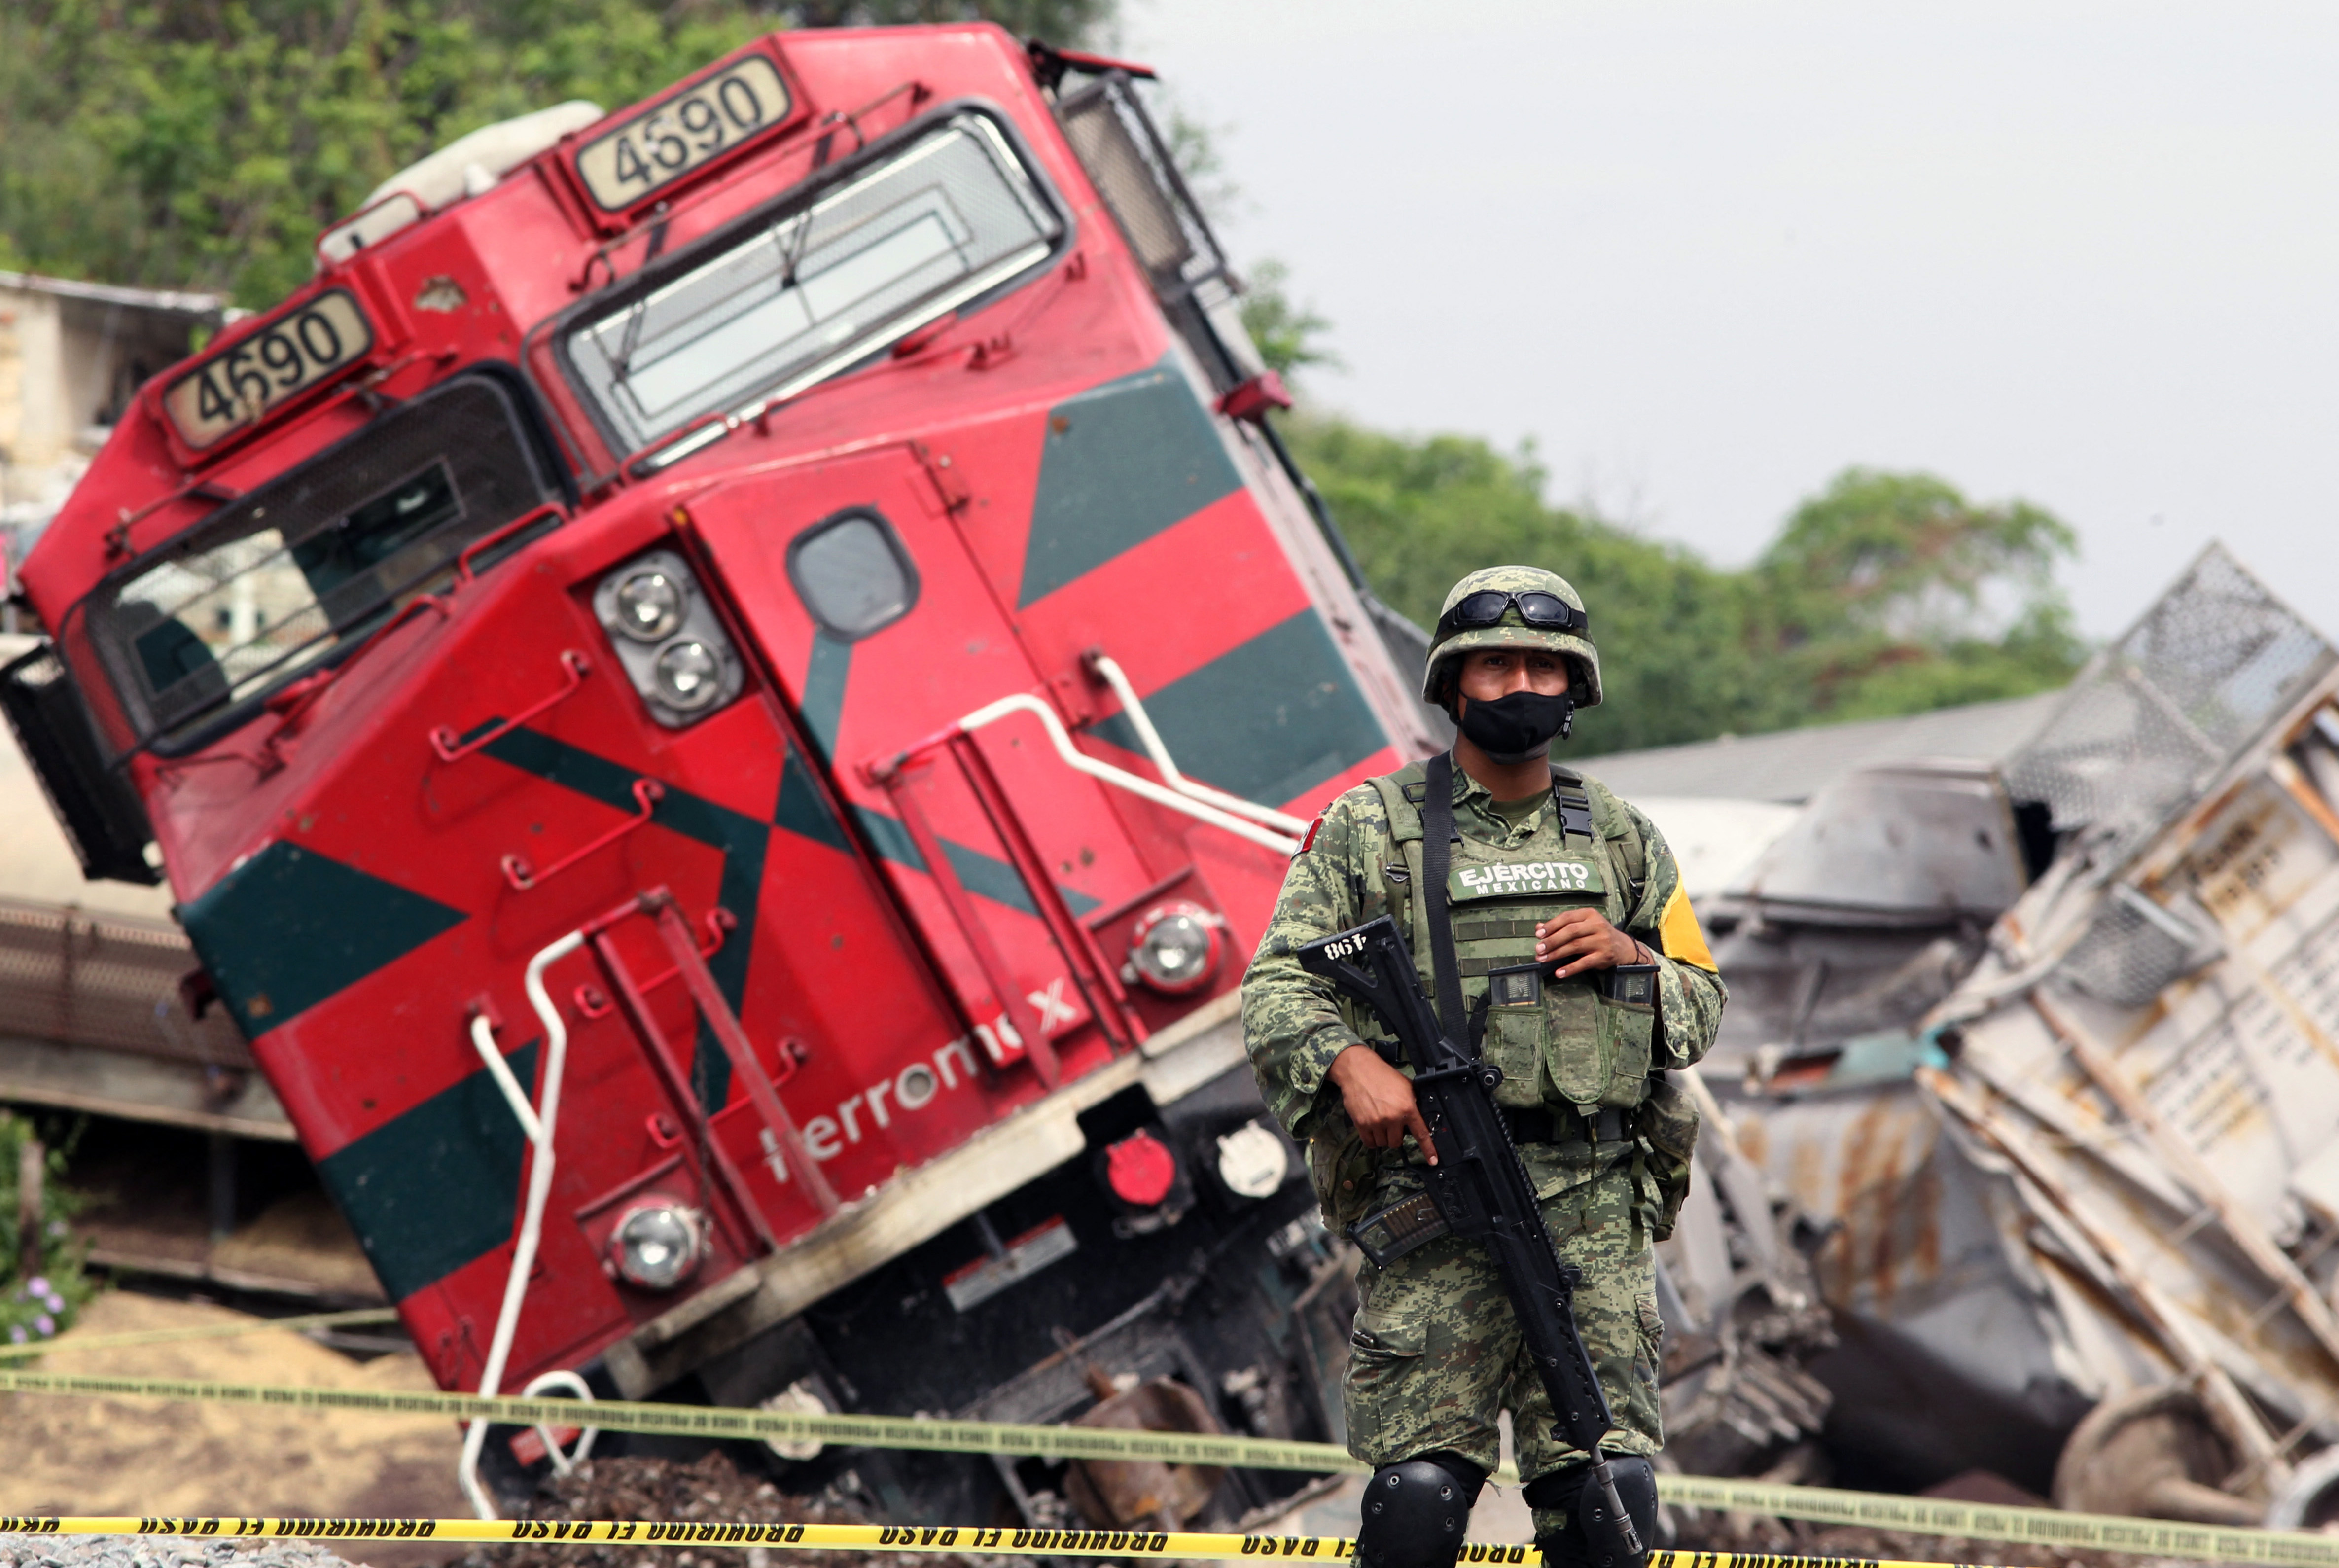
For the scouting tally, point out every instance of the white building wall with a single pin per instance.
(34, 419)
(67, 351)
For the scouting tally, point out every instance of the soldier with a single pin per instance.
(1547, 867)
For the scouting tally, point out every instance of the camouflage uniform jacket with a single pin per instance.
(1294, 1024)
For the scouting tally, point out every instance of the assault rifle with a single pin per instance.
(1480, 1190)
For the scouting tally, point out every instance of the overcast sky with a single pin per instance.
(1707, 253)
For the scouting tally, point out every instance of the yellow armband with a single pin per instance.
(1679, 934)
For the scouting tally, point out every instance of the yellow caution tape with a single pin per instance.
(852, 1538)
(717, 1421)
(355, 1318)
(1991, 1521)
(1872, 1510)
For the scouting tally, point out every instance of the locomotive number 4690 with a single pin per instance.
(694, 127)
(239, 385)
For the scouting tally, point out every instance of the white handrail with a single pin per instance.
(1142, 722)
(483, 1040)
(538, 1125)
(1121, 778)
(561, 1377)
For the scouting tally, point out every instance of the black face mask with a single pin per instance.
(1518, 727)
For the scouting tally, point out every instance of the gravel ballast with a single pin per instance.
(148, 1551)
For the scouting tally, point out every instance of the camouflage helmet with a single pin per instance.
(1449, 642)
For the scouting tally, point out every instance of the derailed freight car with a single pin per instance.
(718, 696)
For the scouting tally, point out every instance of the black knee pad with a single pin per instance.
(1416, 1512)
(1559, 1489)
(1556, 1492)
(1588, 1538)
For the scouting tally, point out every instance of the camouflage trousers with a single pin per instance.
(1437, 1350)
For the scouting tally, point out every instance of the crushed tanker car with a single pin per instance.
(2044, 1055)
(721, 697)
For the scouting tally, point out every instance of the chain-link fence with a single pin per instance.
(73, 979)
(1133, 168)
(2133, 950)
(2156, 714)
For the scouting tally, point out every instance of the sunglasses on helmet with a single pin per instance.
(1542, 611)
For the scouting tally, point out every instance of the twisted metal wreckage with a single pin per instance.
(2042, 1058)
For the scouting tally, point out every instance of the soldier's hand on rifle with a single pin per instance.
(1379, 1101)
(1584, 940)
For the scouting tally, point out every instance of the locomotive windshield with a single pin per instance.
(801, 291)
(277, 580)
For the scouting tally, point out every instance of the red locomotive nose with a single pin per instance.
(1141, 1169)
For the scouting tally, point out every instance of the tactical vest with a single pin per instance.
(1584, 1042)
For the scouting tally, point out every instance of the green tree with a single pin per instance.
(205, 142)
(1287, 336)
(1421, 513)
(1885, 593)
(1059, 21)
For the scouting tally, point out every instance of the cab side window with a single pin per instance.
(852, 574)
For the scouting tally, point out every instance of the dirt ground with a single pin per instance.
(148, 1211)
(67, 1454)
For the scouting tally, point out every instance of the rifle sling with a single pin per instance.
(1436, 857)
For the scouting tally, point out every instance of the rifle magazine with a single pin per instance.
(1406, 1225)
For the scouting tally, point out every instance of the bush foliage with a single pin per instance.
(41, 1293)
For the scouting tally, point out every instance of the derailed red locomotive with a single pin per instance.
(719, 696)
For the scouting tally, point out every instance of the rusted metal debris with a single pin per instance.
(1862, 916)
(2049, 1058)
(1743, 1312)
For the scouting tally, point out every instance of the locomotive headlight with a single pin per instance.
(1175, 947)
(669, 638)
(1252, 1162)
(657, 1245)
(688, 675)
(649, 607)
